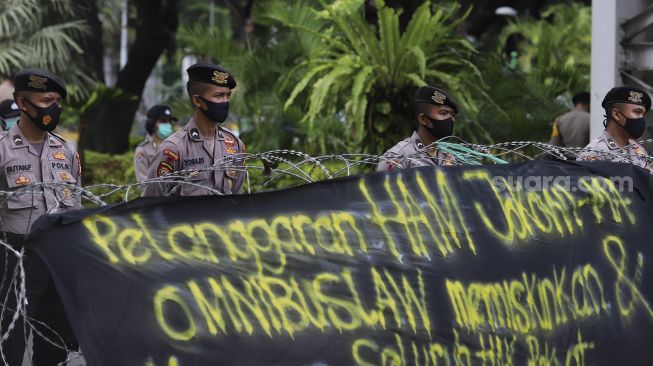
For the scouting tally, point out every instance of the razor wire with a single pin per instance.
(263, 171)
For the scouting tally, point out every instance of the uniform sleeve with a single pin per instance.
(141, 165)
(165, 161)
(591, 152)
(240, 178)
(390, 161)
(76, 171)
(556, 138)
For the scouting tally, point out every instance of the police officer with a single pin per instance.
(9, 114)
(30, 154)
(435, 111)
(572, 129)
(159, 127)
(183, 159)
(625, 108)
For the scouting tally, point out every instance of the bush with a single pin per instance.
(100, 168)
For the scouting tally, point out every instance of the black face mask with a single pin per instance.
(441, 128)
(47, 118)
(634, 126)
(216, 112)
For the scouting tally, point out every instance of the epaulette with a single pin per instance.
(60, 138)
(175, 137)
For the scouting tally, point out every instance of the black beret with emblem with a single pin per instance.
(435, 96)
(160, 111)
(628, 95)
(211, 74)
(39, 80)
(9, 109)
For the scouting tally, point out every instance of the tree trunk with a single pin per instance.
(109, 125)
(91, 43)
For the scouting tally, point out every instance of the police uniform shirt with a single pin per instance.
(23, 167)
(143, 158)
(185, 157)
(411, 153)
(604, 148)
(572, 129)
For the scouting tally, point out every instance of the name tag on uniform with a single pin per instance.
(61, 166)
(193, 161)
(19, 168)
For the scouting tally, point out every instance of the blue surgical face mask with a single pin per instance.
(11, 122)
(164, 130)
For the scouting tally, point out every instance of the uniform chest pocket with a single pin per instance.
(21, 186)
(196, 178)
(197, 173)
(65, 188)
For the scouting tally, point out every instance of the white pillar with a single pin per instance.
(123, 33)
(605, 58)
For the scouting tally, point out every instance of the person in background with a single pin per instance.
(625, 108)
(158, 127)
(435, 111)
(9, 114)
(572, 129)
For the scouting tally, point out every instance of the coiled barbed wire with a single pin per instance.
(268, 168)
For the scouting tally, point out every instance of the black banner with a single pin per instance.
(539, 263)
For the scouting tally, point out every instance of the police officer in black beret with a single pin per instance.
(9, 114)
(186, 156)
(31, 155)
(625, 107)
(435, 111)
(159, 127)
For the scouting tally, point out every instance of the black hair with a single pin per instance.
(422, 108)
(196, 88)
(150, 123)
(581, 98)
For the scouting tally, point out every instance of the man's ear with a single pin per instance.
(614, 114)
(197, 102)
(21, 103)
(421, 119)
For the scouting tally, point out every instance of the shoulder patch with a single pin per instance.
(163, 169)
(60, 138)
(171, 155)
(79, 164)
(175, 137)
(401, 146)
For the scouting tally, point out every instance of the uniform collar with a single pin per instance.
(417, 143)
(196, 135)
(192, 130)
(150, 140)
(612, 144)
(609, 140)
(18, 140)
(419, 146)
(52, 141)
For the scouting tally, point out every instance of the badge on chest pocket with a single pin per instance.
(20, 179)
(65, 187)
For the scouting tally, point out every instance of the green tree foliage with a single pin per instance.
(363, 75)
(554, 64)
(37, 33)
(555, 52)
